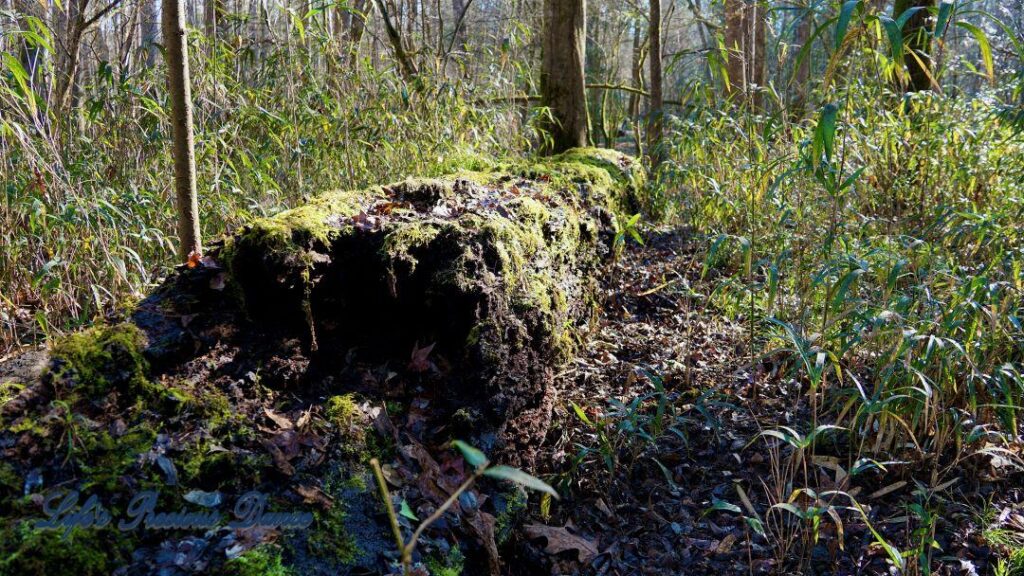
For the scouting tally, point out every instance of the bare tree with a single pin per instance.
(30, 53)
(562, 79)
(181, 126)
(745, 42)
(654, 124)
(804, 28)
(917, 33)
(150, 31)
(394, 32)
(76, 23)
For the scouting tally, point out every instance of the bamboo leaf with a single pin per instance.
(845, 15)
(984, 45)
(473, 457)
(517, 476)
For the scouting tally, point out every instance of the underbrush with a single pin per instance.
(86, 213)
(873, 254)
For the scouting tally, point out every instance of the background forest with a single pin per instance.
(847, 176)
(297, 97)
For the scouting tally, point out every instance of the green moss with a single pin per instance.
(263, 560)
(342, 410)
(10, 481)
(8, 390)
(27, 551)
(400, 243)
(104, 458)
(203, 468)
(330, 539)
(215, 408)
(451, 564)
(102, 359)
(510, 507)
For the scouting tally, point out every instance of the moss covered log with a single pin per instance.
(493, 269)
(308, 343)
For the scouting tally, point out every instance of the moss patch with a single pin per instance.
(495, 269)
(103, 359)
(25, 550)
(330, 539)
(263, 560)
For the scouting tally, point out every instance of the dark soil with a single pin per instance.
(653, 509)
(662, 497)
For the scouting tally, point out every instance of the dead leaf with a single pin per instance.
(279, 459)
(482, 526)
(314, 495)
(561, 540)
(282, 421)
(303, 420)
(726, 544)
(888, 489)
(418, 360)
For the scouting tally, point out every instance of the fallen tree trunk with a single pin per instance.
(422, 311)
(486, 273)
(479, 282)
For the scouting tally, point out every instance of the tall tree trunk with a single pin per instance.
(151, 30)
(356, 26)
(735, 45)
(757, 26)
(405, 62)
(703, 31)
(917, 34)
(181, 126)
(654, 124)
(211, 9)
(562, 80)
(458, 15)
(636, 72)
(745, 42)
(802, 75)
(31, 54)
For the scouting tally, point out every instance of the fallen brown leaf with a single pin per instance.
(561, 540)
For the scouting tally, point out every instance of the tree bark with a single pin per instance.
(735, 46)
(356, 25)
(917, 34)
(212, 11)
(654, 125)
(181, 126)
(30, 54)
(394, 34)
(458, 14)
(803, 71)
(562, 79)
(636, 71)
(151, 30)
(745, 42)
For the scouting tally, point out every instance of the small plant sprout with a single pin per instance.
(480, 465)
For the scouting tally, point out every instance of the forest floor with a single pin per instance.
(656, 445)
(674, 481)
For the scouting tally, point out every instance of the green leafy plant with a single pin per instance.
(480, 466)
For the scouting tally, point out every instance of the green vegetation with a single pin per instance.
(91, 552)
(100, 360)
(846, 175)
(263, 560)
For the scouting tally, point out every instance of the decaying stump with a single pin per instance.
(490, 274)
(424, 310)
(482, 282)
